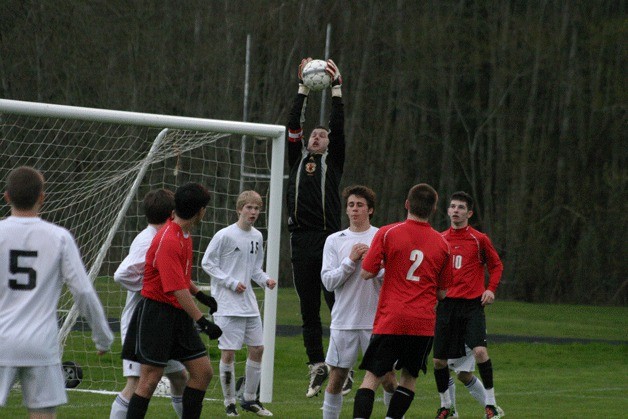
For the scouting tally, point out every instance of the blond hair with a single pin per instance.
(248, 197)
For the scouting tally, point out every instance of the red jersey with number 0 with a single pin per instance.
(168, 264)
(416, 261)
(471, 252)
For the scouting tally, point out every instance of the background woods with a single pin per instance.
(523, 104)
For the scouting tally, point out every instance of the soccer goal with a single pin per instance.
(98, 165)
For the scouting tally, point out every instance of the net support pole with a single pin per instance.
(272, 267)
(72, 316)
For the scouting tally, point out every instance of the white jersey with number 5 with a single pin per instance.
(36, 258)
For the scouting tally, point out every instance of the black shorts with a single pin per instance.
(388, 352)
(459, 321)
(159, 332)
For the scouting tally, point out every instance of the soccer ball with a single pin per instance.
(314, 75)
(163, 387)
(73, 374)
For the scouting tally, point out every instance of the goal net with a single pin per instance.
(98, 166)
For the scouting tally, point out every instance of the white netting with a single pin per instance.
(90, 168)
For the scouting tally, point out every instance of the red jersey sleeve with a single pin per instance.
(446, 275)
(493, 263)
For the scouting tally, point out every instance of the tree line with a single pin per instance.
(521, 104)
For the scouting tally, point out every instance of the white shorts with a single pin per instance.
(237, 331)
(463, 364)
(344, 346)
(132, 368)
(42, 386)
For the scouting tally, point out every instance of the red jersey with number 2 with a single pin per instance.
(417, 262)
(168, 264)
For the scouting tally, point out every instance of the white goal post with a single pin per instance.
(98, 165)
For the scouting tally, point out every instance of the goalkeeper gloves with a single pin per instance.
(211, 329)
(336, 78)
(208, 300)
(303, 89)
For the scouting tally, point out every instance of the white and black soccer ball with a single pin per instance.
(73, 374)
(314, 75)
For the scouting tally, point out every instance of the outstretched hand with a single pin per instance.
(488, 297)
(334, 73)
(303, 64)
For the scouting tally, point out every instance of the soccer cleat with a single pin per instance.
(231, 410)
(492, 412)
(256, 407)
(445, 412)
(348, 385)
(318, 374)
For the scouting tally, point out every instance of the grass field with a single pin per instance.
(532, 380)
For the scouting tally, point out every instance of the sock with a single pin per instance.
(253, 375)
(476, 389)
(442, 384)
(192, 403)
(227, 382)
(177, 404)
(400, 402)
(332, 406)
(486, 373)
(490, 397)
(452, 392)
(363, 404)
(387, 397)
(137, 408)
(119, 407)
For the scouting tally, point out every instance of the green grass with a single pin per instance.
(532, 380)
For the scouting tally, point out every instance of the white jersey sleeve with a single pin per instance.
(130, 273)
(335, 271)
(211, 262)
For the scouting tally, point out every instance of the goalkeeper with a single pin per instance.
(161, 328)
(316, 166)
(158, 206)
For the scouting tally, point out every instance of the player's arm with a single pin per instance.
(184, 297)
(493, 264)
(259, 275)
(131, 271)
(337, 116)
(296, 118)
(203, 298)
(372, 263)
(211, 264)
(335, 272)
(89, 306)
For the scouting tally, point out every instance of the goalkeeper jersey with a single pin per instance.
(356, 299)
(235, 255)
(36, 259)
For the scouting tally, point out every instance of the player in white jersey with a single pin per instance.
(233, 259)
(158, 206)
(356, 300)
(36, 259)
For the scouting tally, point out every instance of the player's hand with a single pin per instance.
(303, 63)
(207, 300)
(271, 283)
(211, 329)
(334, 73)
(488, 297)
(358, 251)
(240, 288)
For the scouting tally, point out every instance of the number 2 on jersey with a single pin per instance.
(416, 256)
(15, 268)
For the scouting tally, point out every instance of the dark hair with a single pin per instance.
(24, 185)
(422, 200)
(363, 192)
(321, 127)
(158, 206)
(189, 199)
(464, 197)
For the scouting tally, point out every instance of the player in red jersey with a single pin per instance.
(417, 269)
(460, 316)
(164, 323)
